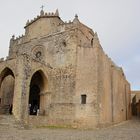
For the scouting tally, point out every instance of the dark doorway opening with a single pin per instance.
(36, 87)
(34, 99)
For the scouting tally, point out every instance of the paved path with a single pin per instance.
(129, 130)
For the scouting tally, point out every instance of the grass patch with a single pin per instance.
(54, 127)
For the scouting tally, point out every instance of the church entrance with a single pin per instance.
(36, 90)
(34, 99)
(7, 82)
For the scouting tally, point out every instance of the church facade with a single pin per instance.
(58, 74)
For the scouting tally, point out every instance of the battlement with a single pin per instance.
(17, 40)
(43, 15)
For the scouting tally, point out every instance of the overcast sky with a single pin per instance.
(117, 23)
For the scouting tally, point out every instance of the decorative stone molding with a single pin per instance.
(38, 53)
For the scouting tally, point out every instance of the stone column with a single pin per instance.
(45, 100)
(21, 95)
(18, 89)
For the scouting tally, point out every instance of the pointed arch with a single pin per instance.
(5, 72)
(7, 82)
(38, 86)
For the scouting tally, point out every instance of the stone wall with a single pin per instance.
(113, 90)
(86, 80)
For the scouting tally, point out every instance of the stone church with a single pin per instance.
(57, 74)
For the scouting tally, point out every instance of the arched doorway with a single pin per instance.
(7, 81)
(37, 87)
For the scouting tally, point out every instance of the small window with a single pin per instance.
(38, 54)
(64, 43)
(83, 99)
(92, 42)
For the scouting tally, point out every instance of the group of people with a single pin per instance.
(33, 109)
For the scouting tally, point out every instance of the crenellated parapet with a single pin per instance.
(16, 40)
(43, 15)
(70, 23)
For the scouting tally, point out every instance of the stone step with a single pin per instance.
(10, 122)
(4, 109)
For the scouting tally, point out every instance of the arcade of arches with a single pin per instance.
(38, 85)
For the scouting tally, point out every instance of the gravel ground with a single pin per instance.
(129, 130)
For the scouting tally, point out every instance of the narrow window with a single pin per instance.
(64, 43)
(92, 42)
(83, 99)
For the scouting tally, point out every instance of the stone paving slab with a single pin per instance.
(129, 130)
